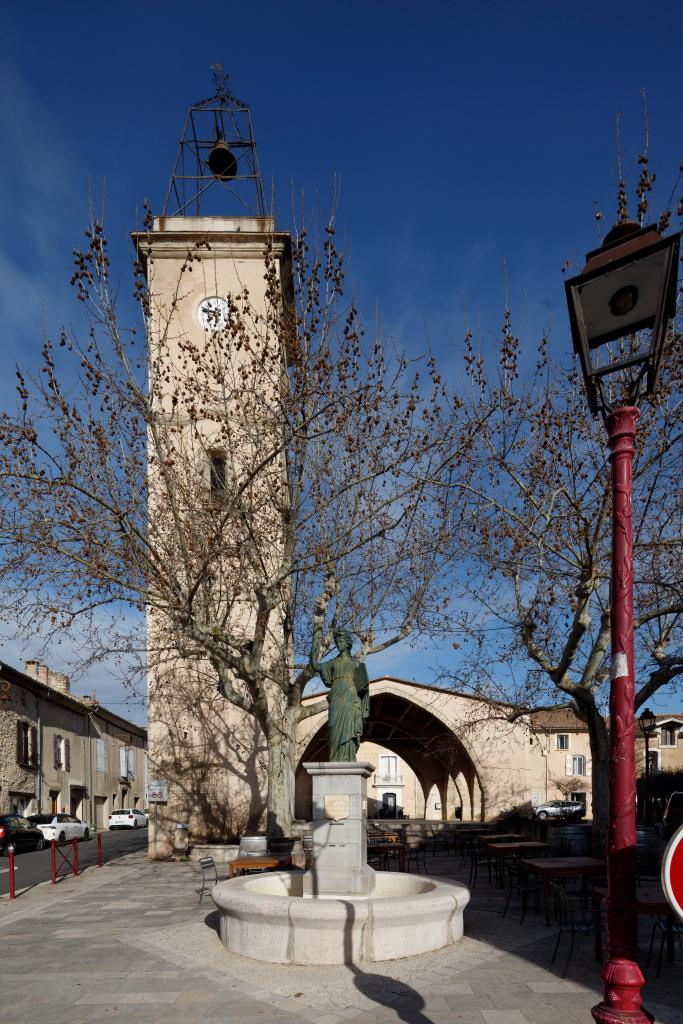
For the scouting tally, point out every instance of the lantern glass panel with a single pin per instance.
(625, 300)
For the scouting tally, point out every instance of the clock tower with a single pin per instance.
(215, 268)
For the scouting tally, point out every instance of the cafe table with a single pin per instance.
(392, 848)
(265, 863)
(514, 848)
(486, 842)
(500, 837)
(561, 867)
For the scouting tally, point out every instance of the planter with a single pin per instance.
(253, 846)
(222, 854)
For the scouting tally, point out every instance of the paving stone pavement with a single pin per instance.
(128, 943)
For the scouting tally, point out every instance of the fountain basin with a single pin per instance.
(266, 917)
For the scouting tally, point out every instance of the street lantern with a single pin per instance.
(648, 726)
(626, 289)
(627, 286)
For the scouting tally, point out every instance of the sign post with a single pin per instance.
(12, 890)
(672, 872)
(157, 793)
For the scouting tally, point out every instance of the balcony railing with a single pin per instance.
(388, 779)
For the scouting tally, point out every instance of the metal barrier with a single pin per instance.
(68, 860)
(58, 872)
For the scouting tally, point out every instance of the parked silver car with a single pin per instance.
(572, 810)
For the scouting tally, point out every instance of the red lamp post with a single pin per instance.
(620, 307)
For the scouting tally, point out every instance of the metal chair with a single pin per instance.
(377, 858)
(573, 916)
(208, 867)
(479, 858)
(414, 853)
(524, 884)
(440, 840)
(660, 924)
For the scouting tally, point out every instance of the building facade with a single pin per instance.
(564, 745)
(666, 746)
(64, 753)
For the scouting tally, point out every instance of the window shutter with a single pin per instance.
(130, 756)
(67, 755)
(589, 768)
(56, 752)
(20, 742)
(122, 762)
(34, 745)
(568, 765)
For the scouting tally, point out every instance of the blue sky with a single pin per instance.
(466, 138)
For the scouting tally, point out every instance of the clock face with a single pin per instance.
(212, 313)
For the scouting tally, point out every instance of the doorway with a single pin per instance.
(100, 802)
(76, 802)
(388, 805)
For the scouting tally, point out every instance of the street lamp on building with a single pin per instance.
(648, 726)
(620, 308)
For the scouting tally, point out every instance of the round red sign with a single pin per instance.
(672, 872)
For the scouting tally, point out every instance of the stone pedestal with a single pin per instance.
(340, 806)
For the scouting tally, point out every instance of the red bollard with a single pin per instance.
(53, 848)
(99, 849)
(10, 854)
(75, 857)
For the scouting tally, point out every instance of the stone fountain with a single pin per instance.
(340, 910)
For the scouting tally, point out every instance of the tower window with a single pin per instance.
(217, 474)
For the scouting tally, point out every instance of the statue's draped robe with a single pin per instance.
(349, 700)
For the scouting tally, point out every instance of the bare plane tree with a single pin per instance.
(536, 542)
(290, 476)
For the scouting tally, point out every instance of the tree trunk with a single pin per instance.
(280, 806)
(599, 743)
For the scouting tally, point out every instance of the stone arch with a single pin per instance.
(463, 791)
(402, 722)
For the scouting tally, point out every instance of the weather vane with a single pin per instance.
(220, 78)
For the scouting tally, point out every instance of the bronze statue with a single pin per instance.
(349, 696)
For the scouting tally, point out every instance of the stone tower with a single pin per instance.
(210, 276)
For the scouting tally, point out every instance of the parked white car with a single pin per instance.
(61, 827)
(127, 818)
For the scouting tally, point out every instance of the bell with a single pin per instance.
(221, 161)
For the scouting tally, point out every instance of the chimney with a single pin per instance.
(57, 680)
(31, 668)
(43, 674)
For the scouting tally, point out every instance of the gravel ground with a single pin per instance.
(336, 987)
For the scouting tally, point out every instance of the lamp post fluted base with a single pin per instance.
(623, 983)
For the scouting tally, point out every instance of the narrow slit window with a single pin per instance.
(217, 471)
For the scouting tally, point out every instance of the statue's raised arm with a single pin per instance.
(316, 665)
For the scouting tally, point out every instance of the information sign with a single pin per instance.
(157, 791)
